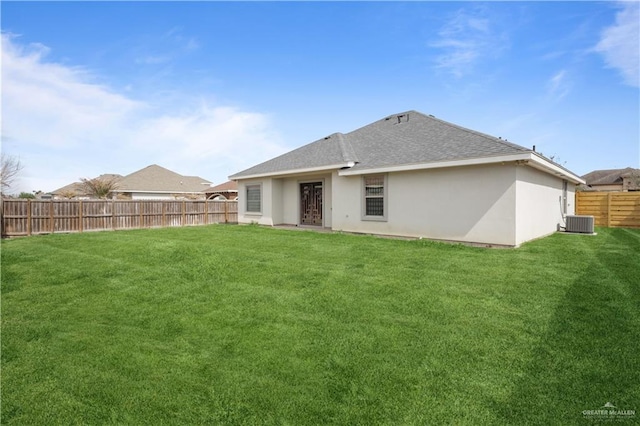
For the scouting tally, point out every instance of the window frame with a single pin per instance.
(247, 187)
(384, 197)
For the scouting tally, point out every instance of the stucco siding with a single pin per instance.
(290, 201)
(265, 216)
(493, 204)
(472, 204)
(291, 197)
(539, 203)
(281, 200)
(278, 208)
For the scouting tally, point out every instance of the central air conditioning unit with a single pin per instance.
(580, 224)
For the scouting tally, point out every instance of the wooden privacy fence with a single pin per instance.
(28, 217)
(611, 209)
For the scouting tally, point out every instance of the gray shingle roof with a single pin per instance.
(329, 151)
(401, 139)
(609, 177)
(158, 179)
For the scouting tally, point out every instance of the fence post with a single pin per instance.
(206, 211)
(184, 213)
(113, 215)
(226, 211)
(51, 218)
(80, 226)
(29, 217)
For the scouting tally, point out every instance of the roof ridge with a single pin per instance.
(348, 153)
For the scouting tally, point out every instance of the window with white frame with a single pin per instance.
(375, 194)
(254, 199)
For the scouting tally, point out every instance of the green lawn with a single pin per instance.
(250, 325)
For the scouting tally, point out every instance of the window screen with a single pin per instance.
(374, 196)
(254, 198)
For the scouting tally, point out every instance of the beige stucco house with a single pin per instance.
(149, 183)
(414, 175)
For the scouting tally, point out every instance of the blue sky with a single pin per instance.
(211, 88)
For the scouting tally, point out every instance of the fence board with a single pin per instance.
(28, 217)
(614, 209)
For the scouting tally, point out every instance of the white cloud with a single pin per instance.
(165, 48)
(38, 95)
(64, 124)
(620, 43)
(465, 39)
(558, 85)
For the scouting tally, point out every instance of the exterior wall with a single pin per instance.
(539, 203)
(489, 204)
(160, 196)
(612, 187)
(291, 198)
(263, 218)
(281, 200)
(470, 204)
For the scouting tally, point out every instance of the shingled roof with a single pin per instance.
(158, 179)
(397, 140)
(229, 186)
(609, 177)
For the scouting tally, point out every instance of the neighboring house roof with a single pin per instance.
(229, 186)
(399, 141)
(158, 179)
(79, 188)
(609, 177)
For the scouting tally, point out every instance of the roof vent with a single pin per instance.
(402, 118)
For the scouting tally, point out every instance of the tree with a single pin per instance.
(100, 187)
(9, 168)
(27, 195)
(68, 194)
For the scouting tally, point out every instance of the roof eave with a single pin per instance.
(437, 164)
(331, 167)
(541, 163)
(530, 158)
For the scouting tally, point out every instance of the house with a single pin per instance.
(157, 183)
(411, 174)
(224, 191)
(150, 183)
(627, 179)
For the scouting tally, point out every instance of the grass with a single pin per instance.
(249, 325)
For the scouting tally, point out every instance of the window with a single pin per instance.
(374, 198)
(254, 199)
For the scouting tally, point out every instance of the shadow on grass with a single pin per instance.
(589, 355)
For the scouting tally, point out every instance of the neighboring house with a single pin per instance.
(224, 191)
(150, 183)
(77, 190)
(627, 179)
(157, 183)
(413, 175)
